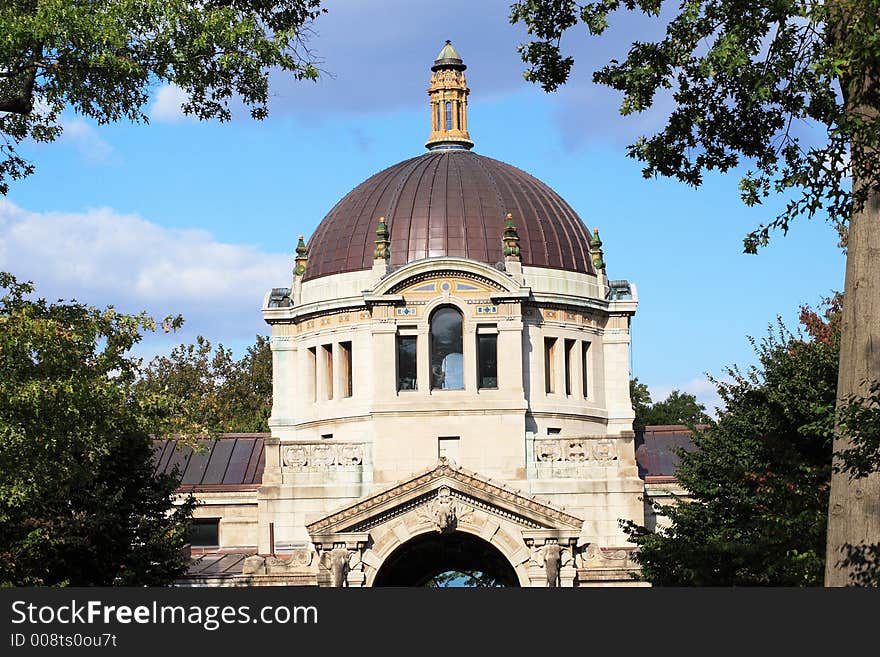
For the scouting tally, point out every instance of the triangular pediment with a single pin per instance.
(476, 492)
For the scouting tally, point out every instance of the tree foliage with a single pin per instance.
(759, 479)
(463, 579)
(103, 57)
(641, 400)
(789, 89)
(79, 503)
(213, 390)
(678, 407)
(744, 78)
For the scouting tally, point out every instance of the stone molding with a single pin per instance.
(465, 483)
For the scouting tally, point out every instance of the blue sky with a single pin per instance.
(201, 218)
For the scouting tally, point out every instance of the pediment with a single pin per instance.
(421, 272)
(465, 487)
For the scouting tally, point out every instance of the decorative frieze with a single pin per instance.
(323, 456)
(576, 450)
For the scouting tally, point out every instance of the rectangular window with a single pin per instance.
(487, 356)
(327, 354)
(554, 431)
(585, 367)
(439, 118)
(549, 365)
(569, 366)
(204, 532)
(448, 116)
(312, 374)
(406, 362)
(345, 364)
(447, 447)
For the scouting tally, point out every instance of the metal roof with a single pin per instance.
(232, 460)
(449, 203)
(656, 449)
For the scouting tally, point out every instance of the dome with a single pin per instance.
(449, 202)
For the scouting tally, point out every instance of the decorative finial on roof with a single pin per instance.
(596, 251)
(448, 93)
(511, 240)
(302, 258)
(383, 241)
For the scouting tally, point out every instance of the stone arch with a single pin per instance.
(501, 540)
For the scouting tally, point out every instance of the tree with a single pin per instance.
(212, 390)
(246, 395)
(102, 58)
(79, 503)
(744, 78)
(641, 401)
(677, 408)
(759, 479)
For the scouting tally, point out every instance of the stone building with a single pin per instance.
(451, 388)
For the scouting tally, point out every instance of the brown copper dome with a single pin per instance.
(449, 203)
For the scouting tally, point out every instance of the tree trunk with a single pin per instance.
(854, 507)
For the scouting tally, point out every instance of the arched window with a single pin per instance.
(447, 360)
(448, 116)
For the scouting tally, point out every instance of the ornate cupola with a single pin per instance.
(448, 93)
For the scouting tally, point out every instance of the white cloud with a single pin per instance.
(166, 107)
(86, 140)
(106, 258)
(700, 387)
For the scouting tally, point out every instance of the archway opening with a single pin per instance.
(446, 559)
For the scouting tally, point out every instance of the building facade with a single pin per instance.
(451, 386)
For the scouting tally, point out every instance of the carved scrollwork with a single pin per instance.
(351, 455)
(575, 450)
(444, 512)
(592, 556)
(323, 456)
(548, 450)
(605, 451)
(296, 456)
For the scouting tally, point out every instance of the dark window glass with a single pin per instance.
(327, 351)
(585, 365)
(312, 377)
(447, 360)
(448, 116)
(406, 362)
(487, 352)
(569, 354)
(204, 532)
(345, 353)
(549, 365)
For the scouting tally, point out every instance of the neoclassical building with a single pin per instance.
(451, 387)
